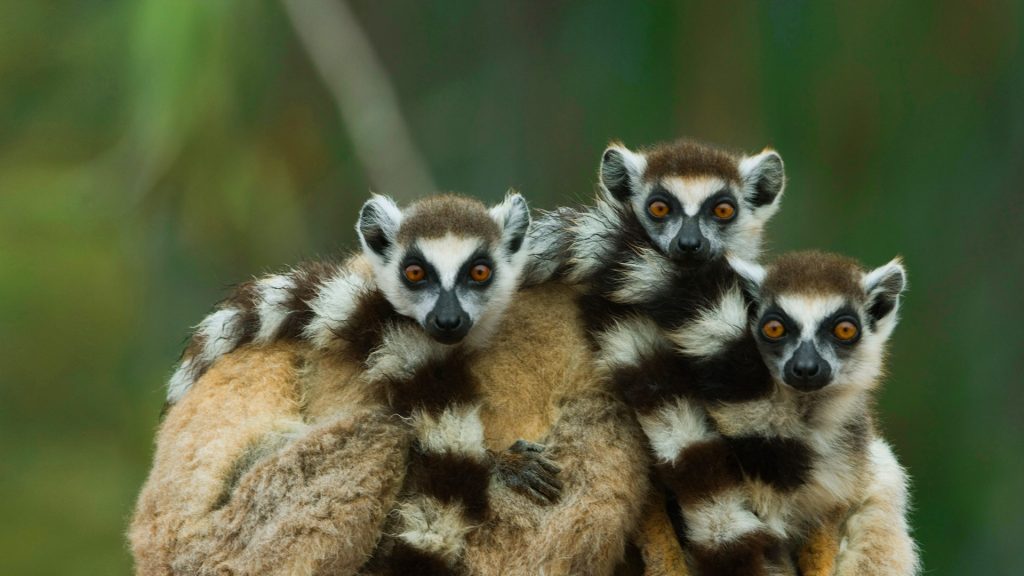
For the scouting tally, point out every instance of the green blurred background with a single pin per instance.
(152, 153)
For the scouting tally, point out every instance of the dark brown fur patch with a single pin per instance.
(813, 272)
(244, 300)
(685, 158)
(364, 329)
(782, 463)
(746, 556)
(658, 377)
(453, 478)
(404, 560)
(192, 352)
(308, 278)
(632, 563)
(194, 347)
(435, 386)
(737, 374)
(703, 468)
(436, 216)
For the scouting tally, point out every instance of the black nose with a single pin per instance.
(690, 244)
(807, 370)
(448, 323)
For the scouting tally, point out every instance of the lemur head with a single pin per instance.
(696, 203)
(822, 320)
(447, 261)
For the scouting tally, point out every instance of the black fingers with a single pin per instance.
(524, 469)
(523, 446)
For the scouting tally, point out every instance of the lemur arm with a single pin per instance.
(241, 484)
(876, 536)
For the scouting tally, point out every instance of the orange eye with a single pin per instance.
(725, 211)
(659, 209)
(845, 331)
(773, 330)
(480, 273)
(415, 273)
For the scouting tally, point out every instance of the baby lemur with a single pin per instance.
(442, 273)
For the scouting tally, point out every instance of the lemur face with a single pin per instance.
(447, 262)
(822, 321)
(696, 203)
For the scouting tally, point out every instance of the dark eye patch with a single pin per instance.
(659, 193)
(825, 328)
(776, 313)
(724, 195)
(414, 256)
(481, 256)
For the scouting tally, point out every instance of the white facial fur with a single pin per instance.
(809, 313)
(447, 255)
(692, 194)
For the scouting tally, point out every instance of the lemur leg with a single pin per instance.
(876, 537)
(313, 498)
(659, 546)
(338, 479)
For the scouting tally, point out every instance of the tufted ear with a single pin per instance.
(751, 274)
(764, 178)
(513, 217)
(379, 219)
(621, 169)
(884, 286)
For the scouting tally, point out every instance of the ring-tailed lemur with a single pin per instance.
(806, 452)
(443, 272)
(658, 291)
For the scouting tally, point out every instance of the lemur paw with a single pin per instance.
(523, 468)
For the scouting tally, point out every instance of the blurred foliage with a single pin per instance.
(153, 153)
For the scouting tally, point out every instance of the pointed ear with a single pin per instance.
(751, 274)
(513, 217)
(884, 285)
(621, 169)
(379, 219)
(764, 178)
